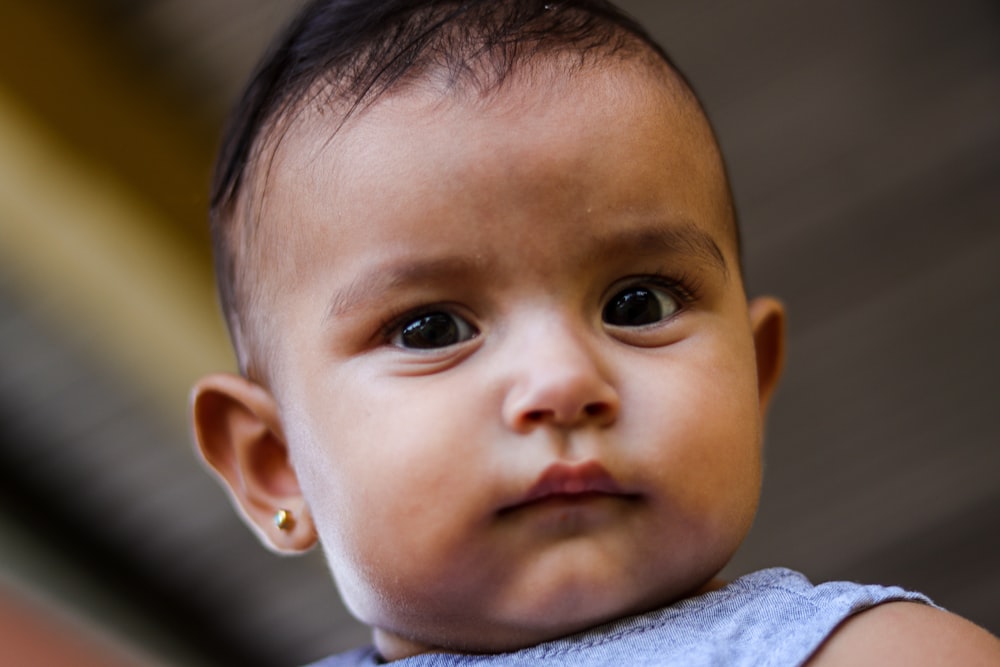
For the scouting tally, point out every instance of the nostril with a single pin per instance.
(536, 415)
(590, 410)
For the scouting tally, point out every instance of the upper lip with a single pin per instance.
(567, 479)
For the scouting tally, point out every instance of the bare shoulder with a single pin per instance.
(908, 633)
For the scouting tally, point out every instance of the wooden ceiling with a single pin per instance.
(863, 139)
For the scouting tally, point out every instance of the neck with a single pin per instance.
(391, 646)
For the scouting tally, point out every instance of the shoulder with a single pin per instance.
(907, 633)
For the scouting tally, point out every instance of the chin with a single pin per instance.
(560, 613)
(567, 614)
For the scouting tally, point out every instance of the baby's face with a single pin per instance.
(516, 370)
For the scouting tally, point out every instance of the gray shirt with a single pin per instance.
(771, 617)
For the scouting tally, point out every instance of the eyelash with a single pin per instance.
(685, 288)
(395, 321)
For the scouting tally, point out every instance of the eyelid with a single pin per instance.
(393, 325)
(684, 290)
(681, 286)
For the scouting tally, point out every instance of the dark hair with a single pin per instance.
(370, 45)
(350, 52)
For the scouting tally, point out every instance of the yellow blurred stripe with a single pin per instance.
(98, 260)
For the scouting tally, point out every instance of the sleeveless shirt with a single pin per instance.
(773, 617)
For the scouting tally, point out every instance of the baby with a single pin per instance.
(481, 269)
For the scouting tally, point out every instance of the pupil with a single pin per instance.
(633, 308)
(429, 331)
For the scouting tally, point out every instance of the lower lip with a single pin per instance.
(568, 515)
(565, 501)
(571, 498)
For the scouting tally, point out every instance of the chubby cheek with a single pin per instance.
(703, 443)
(396, 488)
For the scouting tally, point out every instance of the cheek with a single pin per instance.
(704, 422)
(394, 488)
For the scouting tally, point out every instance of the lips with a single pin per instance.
(569, 482)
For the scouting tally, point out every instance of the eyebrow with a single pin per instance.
(678, 239)
(393, 275)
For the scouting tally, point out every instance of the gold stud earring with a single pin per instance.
(284, 520)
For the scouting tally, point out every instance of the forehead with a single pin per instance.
(411, 140)
(617, 137)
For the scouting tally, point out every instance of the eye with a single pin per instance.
(429, 331)
(639, 305)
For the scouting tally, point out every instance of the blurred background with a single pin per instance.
(863, 138)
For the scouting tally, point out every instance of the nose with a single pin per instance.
(557, 380)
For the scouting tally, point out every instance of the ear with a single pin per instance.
(238, 432)
(767, 320)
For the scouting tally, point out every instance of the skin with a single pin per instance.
(518, 217)
(902, 633)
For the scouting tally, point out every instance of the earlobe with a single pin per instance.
(239, 435)
(767, 321)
